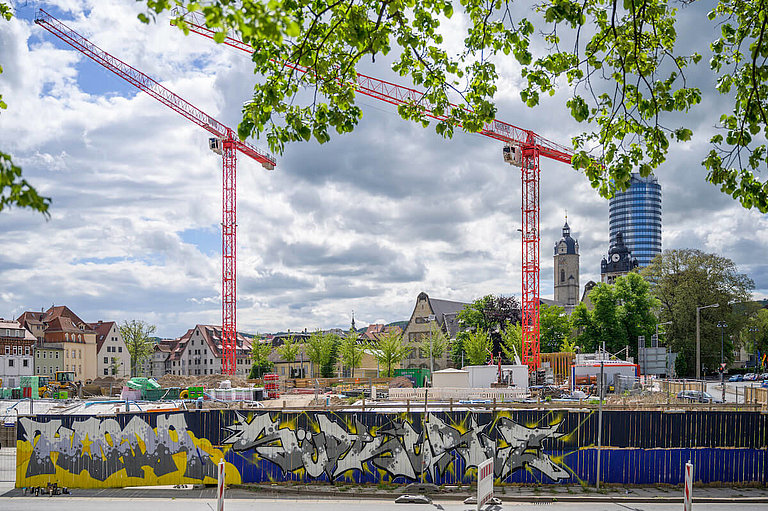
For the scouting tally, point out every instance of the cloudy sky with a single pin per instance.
(362, 223)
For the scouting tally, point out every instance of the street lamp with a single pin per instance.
(698, 337)
(722, 326)
(754, 331)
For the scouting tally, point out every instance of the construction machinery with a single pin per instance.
(522, 149)
(225, 143)
(62, 380)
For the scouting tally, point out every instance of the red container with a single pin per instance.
(26, 392)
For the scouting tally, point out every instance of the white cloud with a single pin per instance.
(365, 222)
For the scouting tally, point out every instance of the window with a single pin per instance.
(7, 350)
(10, 362)
(73, 354)
(79, 354)
(25, 362)
(57, 354)
(43, 354)
(562, 275)
(106, 371)
(26, 350)
(15, 350)
(79, 369)
(106, 361)
(119, 349)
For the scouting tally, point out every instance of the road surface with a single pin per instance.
(65, 503)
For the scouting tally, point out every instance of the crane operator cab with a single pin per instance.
(513, 154)
(216, 145)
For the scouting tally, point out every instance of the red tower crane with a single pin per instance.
(522, 148)
(225, 143)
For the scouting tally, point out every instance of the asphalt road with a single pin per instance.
(63, 503)
(732, 389)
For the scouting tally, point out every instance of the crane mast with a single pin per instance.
(224, 142)
(523, 148)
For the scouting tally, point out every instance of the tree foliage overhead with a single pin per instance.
(685, 279)
(626, 78)
(15, 190)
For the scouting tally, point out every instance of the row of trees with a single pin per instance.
(667, 292)
(325, 350)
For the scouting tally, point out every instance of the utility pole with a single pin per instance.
(600, 423)
(722, 326)
(698, 338)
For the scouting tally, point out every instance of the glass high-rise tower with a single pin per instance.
(636, 213)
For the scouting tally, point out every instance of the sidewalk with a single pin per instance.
(543, 494)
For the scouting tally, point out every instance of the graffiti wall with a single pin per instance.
(444, 448)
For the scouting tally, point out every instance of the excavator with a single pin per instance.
(62, 380)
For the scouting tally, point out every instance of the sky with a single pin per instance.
(363, 223)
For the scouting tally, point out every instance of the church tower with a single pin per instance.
(567, 270)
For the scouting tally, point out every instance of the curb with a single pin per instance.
(585, 497)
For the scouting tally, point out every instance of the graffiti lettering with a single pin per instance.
(328, 447)
(102, 448)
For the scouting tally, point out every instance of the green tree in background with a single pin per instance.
(555, 327)
(435, 343)
(288, 351)
(512, 341)
(621, 313)
(685, 279)
(754, 335)
(260, 358)
(14, 190)
(351, 352)
(322, 351)
(389, 349)
(618, 64)
(136, 335)
(478, 346)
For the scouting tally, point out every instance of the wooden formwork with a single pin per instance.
(561, 363)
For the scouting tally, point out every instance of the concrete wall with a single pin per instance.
(528, 446)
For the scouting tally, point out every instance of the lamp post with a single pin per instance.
(754, 330)
(722, 326)
(698, 337)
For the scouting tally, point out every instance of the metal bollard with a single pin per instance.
(220, 505)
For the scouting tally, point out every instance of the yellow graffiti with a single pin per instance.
(120, 478)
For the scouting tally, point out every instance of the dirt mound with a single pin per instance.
(209, 380)
(401, 382)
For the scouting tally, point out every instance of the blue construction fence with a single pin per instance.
(528, 446)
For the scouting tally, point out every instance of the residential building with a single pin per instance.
(49, 358)
(566, 266)
(62, 326)
(429, 311)
(200, 352)
(16, 352)
(636, 214)
(619, 262)
(159, 362)
(112, 357)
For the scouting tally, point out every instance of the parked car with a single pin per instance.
(736, 377)
(697, 396)
(750, 377)
(763, 376)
